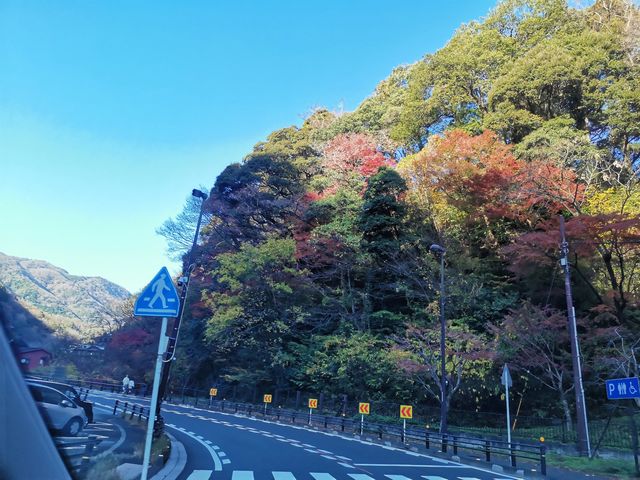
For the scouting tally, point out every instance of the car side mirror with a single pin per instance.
(66, 403)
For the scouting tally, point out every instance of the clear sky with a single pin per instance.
(112, 111)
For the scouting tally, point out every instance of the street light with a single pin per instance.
(173, 338)
(439, 250)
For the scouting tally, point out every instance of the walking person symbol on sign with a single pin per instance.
(158, 287)
(159, 298)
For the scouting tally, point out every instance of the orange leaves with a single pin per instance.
(481, 176)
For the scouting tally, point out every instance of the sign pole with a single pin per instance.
(162, 343)
(404, 430)
(508, 414)
(210, 400)
(361, 424)
(265, 409)
(310, 410)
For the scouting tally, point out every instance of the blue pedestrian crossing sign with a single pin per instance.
(622, 388)
(159, 298)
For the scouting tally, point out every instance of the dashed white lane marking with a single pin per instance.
(343, 458)
(328, 457)
(309, 450)
(346, 465)
(225, 461)
(200, 475)
(283, 476)
(397, 477)
(433, 477)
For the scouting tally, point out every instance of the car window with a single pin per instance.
(36, 393)
(70, 393)
(51, 396)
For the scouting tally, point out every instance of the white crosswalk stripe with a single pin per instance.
(242, 475)
(360, 476)
(278, 475)
(322, 476)
(200, 475)
(283, 476)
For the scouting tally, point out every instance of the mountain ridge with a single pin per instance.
(74, 304)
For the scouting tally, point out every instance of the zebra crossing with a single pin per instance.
(249, 475)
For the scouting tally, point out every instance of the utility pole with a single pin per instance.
(173, 338)
(584, 446)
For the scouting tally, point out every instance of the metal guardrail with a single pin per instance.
(131, 409)
(489, 448)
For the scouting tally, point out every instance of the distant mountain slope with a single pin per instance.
(81, 306)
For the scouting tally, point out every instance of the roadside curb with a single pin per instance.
(176, 462)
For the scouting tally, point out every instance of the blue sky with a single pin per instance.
(111, 112)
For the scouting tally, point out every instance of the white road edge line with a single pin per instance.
(212, 452)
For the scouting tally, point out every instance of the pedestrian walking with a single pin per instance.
(125, 383)
(131, 385)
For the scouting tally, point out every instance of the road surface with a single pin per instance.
(224, 446)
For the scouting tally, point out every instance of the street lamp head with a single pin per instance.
(199, 193)
(435, 248)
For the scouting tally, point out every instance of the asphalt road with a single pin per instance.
(227, 446)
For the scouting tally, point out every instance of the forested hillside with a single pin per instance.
(315, 270)
(69, 305)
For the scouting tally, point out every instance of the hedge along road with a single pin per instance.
(255, 449)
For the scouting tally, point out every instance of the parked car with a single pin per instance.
(59, 412)
(71, 392)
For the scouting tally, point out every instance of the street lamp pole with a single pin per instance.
(439, 250)
(173, 338)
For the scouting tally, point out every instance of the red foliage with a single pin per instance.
(480, 175)
(354, 152)
(587, 235)
(134, 337)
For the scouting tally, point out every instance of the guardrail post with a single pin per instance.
(84, 465)
(140, 414)
(115, 407)
(455, 445)
(487, 450)
(543, 459)
(124, 412)
(196, 404)
(293, 418)
(380, 432)
(426, 439)
(90, 444)
(513, 455)
(342, 424)
(326, 420)
(133, 412)
(250, 409)
(443, 443)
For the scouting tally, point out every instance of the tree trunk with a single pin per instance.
(567, 413)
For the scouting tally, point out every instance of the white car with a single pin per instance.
(60, 413)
